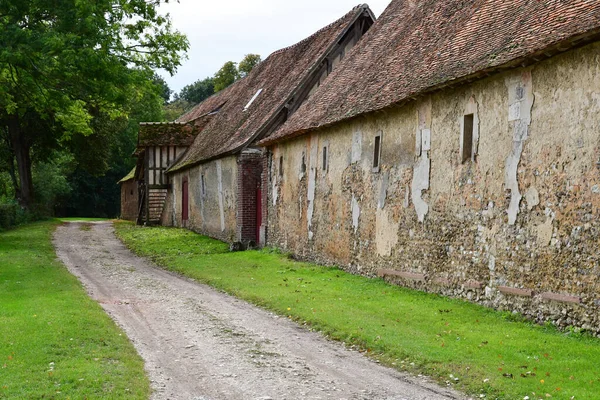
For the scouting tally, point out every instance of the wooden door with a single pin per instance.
(185, 207)
(258, 213)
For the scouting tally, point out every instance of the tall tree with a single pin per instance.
(198, 91)
(248, 63)
(226, 76)
(63, 62)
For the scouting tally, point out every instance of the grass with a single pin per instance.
(55, 342)
(479, 351)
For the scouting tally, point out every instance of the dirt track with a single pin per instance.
(204, 345)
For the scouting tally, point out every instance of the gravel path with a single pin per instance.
(200, 344)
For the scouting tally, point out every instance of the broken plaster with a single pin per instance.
(355, 213)
(520, 100)
(421, 170)
(312, 177)
(220, 183)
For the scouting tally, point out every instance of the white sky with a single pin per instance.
(226, 30)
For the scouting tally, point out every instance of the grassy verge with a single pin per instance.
(477, 350)
(55, 342)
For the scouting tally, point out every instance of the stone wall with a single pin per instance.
(212, 209)
(515, 226)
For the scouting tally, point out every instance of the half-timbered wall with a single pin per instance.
(159, 159)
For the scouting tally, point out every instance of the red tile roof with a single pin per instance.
(279, 76)
(166, 134)
(420, 45)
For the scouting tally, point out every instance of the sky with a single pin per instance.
(226, 30)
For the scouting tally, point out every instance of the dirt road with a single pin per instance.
(201, 344)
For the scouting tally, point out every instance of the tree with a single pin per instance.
(198, 91)
(248, 63)
(226, 76)
(62, 63)
(165, 90)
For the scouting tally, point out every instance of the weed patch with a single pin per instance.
(483, 352)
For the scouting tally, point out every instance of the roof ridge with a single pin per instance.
(362, 6)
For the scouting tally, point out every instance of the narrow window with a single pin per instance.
(467, 142)
(281, 166)
(203, 185)
(377, 153)
(325, 160)
(303, 165)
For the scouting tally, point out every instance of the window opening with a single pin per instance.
(377, 153)
(325, 160)
(303, 165)
(280, 165)
(203, 185)
(467, 143)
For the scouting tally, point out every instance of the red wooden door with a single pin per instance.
(184, 202)
(258, 213)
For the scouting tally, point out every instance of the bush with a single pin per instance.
(11, 214)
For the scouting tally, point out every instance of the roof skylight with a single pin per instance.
(252, 99)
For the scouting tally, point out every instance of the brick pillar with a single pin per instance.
(265, 196)
(248, 187)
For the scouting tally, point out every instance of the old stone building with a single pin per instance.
(215, 187)
(455, 150)
(129, 197)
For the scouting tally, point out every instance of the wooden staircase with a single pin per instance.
(156, 205)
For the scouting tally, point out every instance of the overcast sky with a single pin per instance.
(226, 30)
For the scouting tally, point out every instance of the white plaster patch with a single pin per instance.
(386, 236)
(532, 197)
(520, 95)
(220, 183)
(383, 190)
(421, 170)
(312, 176)
(355, 213)
(511, 183)
(356, 147)
(514, 112)
(420, 182)
(426, 139)
(544, 232)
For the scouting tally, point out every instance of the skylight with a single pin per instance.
(252, 99)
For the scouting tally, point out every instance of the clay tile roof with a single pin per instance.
(278, 76)
(166, 134)
(419, 45)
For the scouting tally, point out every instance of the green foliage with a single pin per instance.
(51, 183)
(198, 91)
(64, 63)
(176, 109)
(55, 342)
(474, 349)
(12, 214)
(248, 63)
(226, 76)
(165, 90)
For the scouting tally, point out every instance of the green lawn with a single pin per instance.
(480, 351)
(55, 342)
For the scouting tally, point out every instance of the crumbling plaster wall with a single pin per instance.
(516, 227)
(212, 213)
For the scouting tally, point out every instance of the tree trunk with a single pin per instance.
(21, 149)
